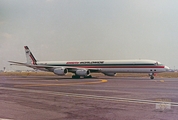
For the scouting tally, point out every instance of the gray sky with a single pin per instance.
(89, 29)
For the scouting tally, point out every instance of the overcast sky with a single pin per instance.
(89, 29)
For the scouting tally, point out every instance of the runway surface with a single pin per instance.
(106, 98)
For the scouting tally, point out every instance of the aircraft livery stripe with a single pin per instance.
(101, 65)
(109, 66)
(33, 59)
(120, 66)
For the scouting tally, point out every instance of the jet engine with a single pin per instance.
(110, 74)
(82, 72)
(60, 71)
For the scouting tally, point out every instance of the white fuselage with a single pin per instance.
(112, 66)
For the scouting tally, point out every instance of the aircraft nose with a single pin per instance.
(167, 68)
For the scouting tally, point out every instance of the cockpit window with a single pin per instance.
(156, 63)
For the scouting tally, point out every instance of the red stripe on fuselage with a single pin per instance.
(120, 66)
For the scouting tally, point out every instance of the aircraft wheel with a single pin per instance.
(75, 77)
(151, 77)
(89, 76)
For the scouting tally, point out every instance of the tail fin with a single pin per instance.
(30, 58)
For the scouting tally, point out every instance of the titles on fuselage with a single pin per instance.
(86, 62)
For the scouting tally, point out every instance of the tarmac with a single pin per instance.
(101, 98)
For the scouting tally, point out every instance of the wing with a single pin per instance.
(27, 65)
(51, 68)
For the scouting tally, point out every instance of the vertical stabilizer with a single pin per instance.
(30, 58)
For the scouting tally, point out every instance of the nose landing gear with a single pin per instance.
(151, 75)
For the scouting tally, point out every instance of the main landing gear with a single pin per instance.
(75, 76)
(89, 76)
(78, 77)
(151, 75)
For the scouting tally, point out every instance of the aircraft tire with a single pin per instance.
(75, 77)
(151, 77)
(89, 76)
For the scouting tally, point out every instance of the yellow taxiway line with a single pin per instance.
(160, 81)
(63, 84)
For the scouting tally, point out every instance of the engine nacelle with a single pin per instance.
(60, 71)
(110, 74)
(82, 72)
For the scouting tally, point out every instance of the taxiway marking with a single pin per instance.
(113, 91)
(160, 81)
(94, 97)
(5, 119)
(63, 84)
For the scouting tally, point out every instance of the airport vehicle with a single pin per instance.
(84, 68)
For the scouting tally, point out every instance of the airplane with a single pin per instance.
(84, 68)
